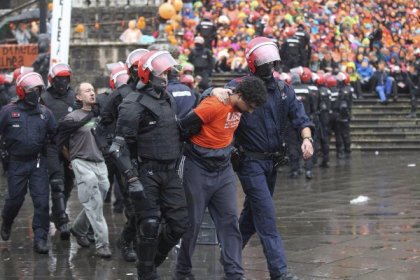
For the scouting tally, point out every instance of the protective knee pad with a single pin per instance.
(149, 228)
(57, 185)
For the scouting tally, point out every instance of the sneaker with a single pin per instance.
(287, 276)
(308, 174)
(104, 252)
(40, 246)
(64, 231)
(5, 231)
(81, 240)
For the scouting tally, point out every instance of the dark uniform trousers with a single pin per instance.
(258, 178)
(22, 175)
(217, 191)
(166, 197)
(295, 152)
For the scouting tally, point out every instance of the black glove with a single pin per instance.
(77, 104)
(236, 159)
(95, 110)
(137, 196)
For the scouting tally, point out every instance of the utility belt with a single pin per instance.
(262, 155)
(24, 157)
(159, 165)
(280, 157)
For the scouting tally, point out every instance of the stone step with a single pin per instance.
(381, 142)
(390, 114)
(376, 101)
(383, 128)
(356, 135)
(387, 119)
(384, 148)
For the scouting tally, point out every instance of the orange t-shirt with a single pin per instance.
(219, 123)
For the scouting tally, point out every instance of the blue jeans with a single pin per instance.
(258, 178)
(384, 91)
(21, 176)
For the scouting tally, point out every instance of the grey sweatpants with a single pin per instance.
(92, 186)
(215, 190)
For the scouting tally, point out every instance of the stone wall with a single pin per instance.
(90, 52)
(108, 23)
(88, 61)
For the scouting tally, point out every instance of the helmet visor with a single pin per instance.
(29, 81)
(60, 70)
(265, 53)
(161, 62)
(134, 56)
(120, 78)
(111, 67)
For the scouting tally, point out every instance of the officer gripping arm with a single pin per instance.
(130, 115)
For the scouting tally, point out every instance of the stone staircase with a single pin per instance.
(374, 127)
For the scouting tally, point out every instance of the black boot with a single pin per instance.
(64, 231)
(5, 230)
(127, 251)
(40, 246)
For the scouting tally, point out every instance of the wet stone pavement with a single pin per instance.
(325, 236)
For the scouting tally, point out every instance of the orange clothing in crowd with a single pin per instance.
(219, 123)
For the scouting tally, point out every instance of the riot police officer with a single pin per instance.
(203, 61)
(27, 126)
(118, 78)
(109, 116)
(323, 109)
(185, 97)
(342, 115)
(147, 134)
(261, 137)
(207, 30)
(42, 63)
(59, 98)
(304, 95)
(292, 52)
(305, 42)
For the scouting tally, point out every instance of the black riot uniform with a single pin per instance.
(208, 31)
(303, 94)
(323, 125)
(105, 130)
(146, 150)
(341, 118)
(292, 53)
(203, 61)
(305, 42)
(61, 177)
(42, 63)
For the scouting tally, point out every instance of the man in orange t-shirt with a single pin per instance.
(208, 176)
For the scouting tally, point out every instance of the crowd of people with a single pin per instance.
(356, 37)
(169, 143)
